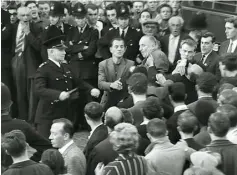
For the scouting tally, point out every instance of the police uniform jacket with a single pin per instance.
(84, 43)
(50, 81)
(131, 38)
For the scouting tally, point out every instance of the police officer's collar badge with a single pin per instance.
(79, 10)
(52, 7)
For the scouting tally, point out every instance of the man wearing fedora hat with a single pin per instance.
(56, 85)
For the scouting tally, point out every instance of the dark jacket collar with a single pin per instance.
(23, 164)
(218, 143)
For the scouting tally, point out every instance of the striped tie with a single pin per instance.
(20, 43)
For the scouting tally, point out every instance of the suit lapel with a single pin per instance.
(226, 46)
(67, 150)
(209, 59)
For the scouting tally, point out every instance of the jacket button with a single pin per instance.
(67, 89)
(65, 81)
(56, 78)
(51, 103)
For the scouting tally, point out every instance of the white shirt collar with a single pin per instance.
(94, 130)
(82, 28)
(205, 96)
(145, 122)
(65, 147)
(234, 45)
(125, 31)
(175, 37)
(206, 55)
(180, 108)
(57, 63)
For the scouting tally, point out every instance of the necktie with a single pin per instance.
(123, 34)
(202, 59)
(20, 43)
(230, 48)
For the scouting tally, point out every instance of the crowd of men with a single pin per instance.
(157, 93)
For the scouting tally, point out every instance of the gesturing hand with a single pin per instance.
(95, 93)
(117, 85)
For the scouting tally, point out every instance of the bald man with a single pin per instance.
(103, 152)
(153, 56)
(26, 47)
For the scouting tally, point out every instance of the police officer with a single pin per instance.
(56, 86)
(130, 35)
(56, 16)
(81, 42)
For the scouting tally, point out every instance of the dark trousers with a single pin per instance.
(20, 86)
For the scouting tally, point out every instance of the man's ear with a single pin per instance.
(196, 87)
(209, 130)
(178, 128)
(110, 49)
(149, 136)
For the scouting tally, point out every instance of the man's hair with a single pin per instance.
(230, 112)
(44, 2)
(232, 20)
(145, 10)
(189, 42)
(230, 97)
(225, 86)
(127, 116)
(29, 2)
(219, 124)
(203, 110)
(165, 5)
(111, 7)
(94, 111)
(91, 6)
(116, 39)
(181, 20)
(138, 83)
(14, 143)
(209, 34)
(113, 119)
(187, 122)
(152, 108)
(67, 126)
(177, 91)
(156, 128)
(230, 61)
(153, 40)
(206, 82)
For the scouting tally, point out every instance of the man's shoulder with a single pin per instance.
(226, 42)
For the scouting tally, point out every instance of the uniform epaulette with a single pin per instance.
(44, 63)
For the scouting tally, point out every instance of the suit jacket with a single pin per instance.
(34, 139)
(99, 134)
(224, 47)
(32, 48)
(50, 81)
(107, 75)
(75, 161)
(165, 48)
(211, 64)
(84, 43)
(103, 152)
(132, 39)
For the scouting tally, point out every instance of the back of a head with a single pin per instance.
(152, 108)
(140, 69)
(230, 61)
(196, 170)
(228, 97)
(5, 97)
(113, 116)
(177, 92)
(156, 128)
(218, 124)
(206, 82)
(67, 126)
(203, 110)
(230, 112)
(54, 159)
(14, 143)
(127, 116)
(125, 138)
(137, 83)
(187, 122)
(225, 86)
(94, 111)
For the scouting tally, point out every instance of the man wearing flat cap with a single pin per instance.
(130, 35)
(56, 16)
(81, 42)
(57, 87)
